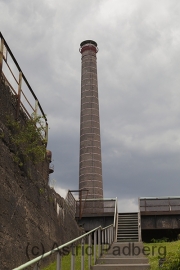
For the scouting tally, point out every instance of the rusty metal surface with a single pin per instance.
(96, 208)
(80, 201)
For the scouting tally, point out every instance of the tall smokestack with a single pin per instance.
(90, 167)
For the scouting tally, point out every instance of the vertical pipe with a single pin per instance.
(95, 241)
(89, 249)
(58, 265)
(82, 254)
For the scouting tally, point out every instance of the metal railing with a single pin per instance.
(139, 222)
(164, 204)
(100, 206)
(115, 224)
(71, 202)
(102, 239)
(12, 76)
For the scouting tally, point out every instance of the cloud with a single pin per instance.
(61, 191)
(138, 76)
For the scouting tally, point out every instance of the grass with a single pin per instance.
(170, 250)
(66, 260)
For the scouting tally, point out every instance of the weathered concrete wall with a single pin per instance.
(153, 222)
(31, 213)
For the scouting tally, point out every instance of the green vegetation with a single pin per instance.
(27, 140)
(170, 251)
(66, 260)
(161, 240)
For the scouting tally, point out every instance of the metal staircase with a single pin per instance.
(127, 227)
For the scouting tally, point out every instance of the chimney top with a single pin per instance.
(88, 45)
(88, 42)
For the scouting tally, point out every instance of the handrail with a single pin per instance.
(103, 238)
(20, 70)
(100, 199)
(107, 227)
(4, 45)
(115, 220)
(159, 198)
(108, 237)
(115, 213)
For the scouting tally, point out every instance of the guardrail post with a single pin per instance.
(19, 93)
(73, 256)
(36, 267)
(95, 241)
(82, 254)
(36, 109)
(89, 248)
(1, 56)
(35, 262)
(46, 132)
(139, 226)
(99, 242)
(111, 235)
(107, 235)
(58, 266)
(102, 237)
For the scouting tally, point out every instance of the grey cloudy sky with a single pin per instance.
(139, 87)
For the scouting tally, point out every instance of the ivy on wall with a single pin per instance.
(27, 140)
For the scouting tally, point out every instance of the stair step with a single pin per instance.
(126, 220)
(126, 223)
(120, 217)
(128, 231)
(127, 237)
(125, 233)
(121, 245)
(121, 267)
(123, 261)
(128, 227)
(110, 260)
(130, 220)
